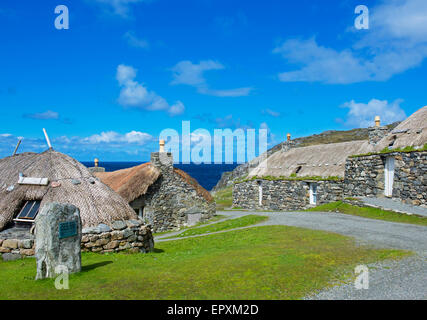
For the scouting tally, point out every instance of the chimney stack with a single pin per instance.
(377, 121)
(162, 160)
(376, 133)
(288, 136)
(162, 146)
(96, 167)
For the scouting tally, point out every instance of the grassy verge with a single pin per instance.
(224, 198)
(225, 225)
(213, 219)
(373, 213)
(274, 262)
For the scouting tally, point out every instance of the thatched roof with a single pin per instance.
(134, 182)
(131, 183)
(193, 182)
(411, 132)
(96, 201)
(324, 160)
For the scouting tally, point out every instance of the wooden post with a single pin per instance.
(17, 146)
(47, 138)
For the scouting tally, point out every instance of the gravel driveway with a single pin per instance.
(404, 279)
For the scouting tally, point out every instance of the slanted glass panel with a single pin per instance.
(25, 210)
(29, 210)
(34, 210)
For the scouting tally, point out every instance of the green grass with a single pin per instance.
(406, 149)
(274, 262)
(224, 198)
(213, 219)
(224, 225)
(373, 213)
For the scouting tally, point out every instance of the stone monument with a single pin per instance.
(58, 240)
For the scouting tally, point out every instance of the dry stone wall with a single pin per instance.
(365, 176)
(284, 195)
(23, 247)
(131, 235)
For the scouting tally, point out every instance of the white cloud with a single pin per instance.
(188, 73)
(134, 94)
(48, 115)
(363, 114)
(119, 7)
(239, 92)
(125, 74)
(270, 112)
(100, 143)
(322, 64)
(177, 109)
(185, 72)
(395, 42)
(134, 41)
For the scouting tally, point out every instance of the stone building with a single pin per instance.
(398, 166)
(297, 178)
(389, 164)
(164, 196)
(28, 181)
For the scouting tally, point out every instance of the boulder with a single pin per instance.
(58, 240)
(119, 225)
(11, 256)
(104, 228)
(10, 244)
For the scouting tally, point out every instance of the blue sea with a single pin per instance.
(206, 174)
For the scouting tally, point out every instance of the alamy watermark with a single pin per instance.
(200, 146)
(62, 279)
(362, 278)
(62, 21)
(362, 20)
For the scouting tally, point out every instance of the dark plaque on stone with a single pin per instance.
(67, 229)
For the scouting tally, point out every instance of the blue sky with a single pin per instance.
(127, 69)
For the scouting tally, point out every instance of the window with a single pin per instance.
(313, 193)
(29, 211)
(390, 145)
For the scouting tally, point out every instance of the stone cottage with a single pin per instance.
(28, 181)
(164, 196)
(398, 166)
(389, 164)
(297, 178)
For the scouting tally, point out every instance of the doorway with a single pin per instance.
(313, 193)
(388, 176)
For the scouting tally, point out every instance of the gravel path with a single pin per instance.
(392, 280)
(228, 216)
(395, 205)
(404, 279)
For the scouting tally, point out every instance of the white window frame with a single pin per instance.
(259, 194)
(389, 168)
(313, 193)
